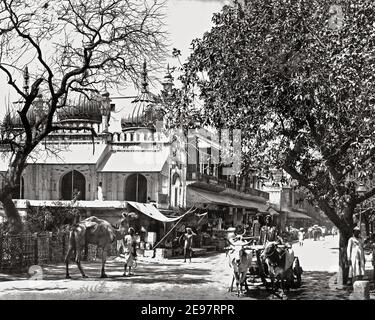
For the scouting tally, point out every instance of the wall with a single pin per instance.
(43, 182)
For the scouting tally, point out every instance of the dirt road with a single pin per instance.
(204, 278)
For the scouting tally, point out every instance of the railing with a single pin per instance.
(19, 252)
(121, 137)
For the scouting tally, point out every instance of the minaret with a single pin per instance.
(168, 81)
(144, 78)
(26, 78)
(105, 110)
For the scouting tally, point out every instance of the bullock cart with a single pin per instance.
(266, 265)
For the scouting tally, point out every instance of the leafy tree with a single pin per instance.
(67, 45)
(51, 218)
(296, 76)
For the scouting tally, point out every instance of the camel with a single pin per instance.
(98, 232)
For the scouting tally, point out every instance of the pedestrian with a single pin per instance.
(100, 192)
(130, 250)
(356, 256)
(188, 243)
(268, 232)
(256, 226)
(301, 236)
(323, 229)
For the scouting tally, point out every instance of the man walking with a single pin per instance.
(188, 243)
(301, 236)
(130, 251)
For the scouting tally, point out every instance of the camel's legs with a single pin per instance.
(104, 258)
(78, 261)
(67, 258)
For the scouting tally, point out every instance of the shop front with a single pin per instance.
(226, 209)
(297, 219)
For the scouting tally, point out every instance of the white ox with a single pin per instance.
(240, 261)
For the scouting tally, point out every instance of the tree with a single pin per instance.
(296, 76)
(68, 46)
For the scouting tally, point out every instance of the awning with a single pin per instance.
(152, 212)
(137, 161)
(204, 196)
(96, 204)
(297, 215)
(273, 212)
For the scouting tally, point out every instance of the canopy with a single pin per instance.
(273, 212)
(152, 212)
(297, 215)
(136, 161)
(204, 196)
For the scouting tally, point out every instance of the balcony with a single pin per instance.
(212, 180)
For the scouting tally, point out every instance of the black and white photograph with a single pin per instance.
(210, 151)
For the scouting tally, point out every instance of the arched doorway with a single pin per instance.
(176, 190)
(71, 183)
(20, 193)
(136, 188)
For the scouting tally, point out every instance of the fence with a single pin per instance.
(19, 252)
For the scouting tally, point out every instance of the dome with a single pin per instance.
(81, 109)
(12, 120)
(137, 113)
(142, 111)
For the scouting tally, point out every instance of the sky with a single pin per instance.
(185, 21)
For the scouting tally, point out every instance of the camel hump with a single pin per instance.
(92, 222)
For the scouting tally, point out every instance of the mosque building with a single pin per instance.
(132, 165)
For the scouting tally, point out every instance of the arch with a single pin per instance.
(136, 188)
(72, 182)
(176, 190)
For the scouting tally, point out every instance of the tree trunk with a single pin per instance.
(342, 276)
(13, 216)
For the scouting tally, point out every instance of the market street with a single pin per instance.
(207, 277)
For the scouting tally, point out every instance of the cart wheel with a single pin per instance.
(298, 280)
(297, 270)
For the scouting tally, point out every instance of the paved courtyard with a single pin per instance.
(206, 277)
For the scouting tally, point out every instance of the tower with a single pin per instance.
(105, 110)
(26, 78)
(168, 81)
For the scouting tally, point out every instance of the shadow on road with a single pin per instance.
(144, 274)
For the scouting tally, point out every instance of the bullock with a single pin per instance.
(240, 261)
(279, 261)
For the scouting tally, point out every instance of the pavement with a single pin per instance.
(206, 277)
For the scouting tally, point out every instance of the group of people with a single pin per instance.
(355, 254)
(264, 230)
(129, 244)
(355, 248)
